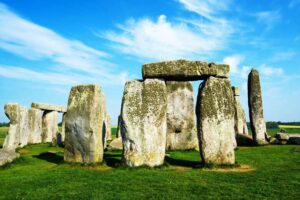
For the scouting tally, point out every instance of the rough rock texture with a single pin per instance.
(49, 107)
(35, 126)
(294, 139)
(282, 136)
(244, 140)
(215, 119)
(116, 144)
(274, 140)
(108, 127)
(18, 132)
(7, 156)
(118, 133)
(258, 125)
(63, 127)
(183, 70)
(181, 125)
(50, 127)
(144, 122)
(84, 125)
(240, 117)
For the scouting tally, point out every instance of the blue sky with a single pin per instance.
(48, 46)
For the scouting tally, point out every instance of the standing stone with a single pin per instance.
(108, 127)
(240, 117)
(84, 125)
(215, 119)
(258, 125)
(62, 134)
(181, 125)
(50, 127)
(18, 132)
(144, 122)
(118, 132)
(35, 126)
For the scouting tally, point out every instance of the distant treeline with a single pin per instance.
(276, 124)
(3, 124)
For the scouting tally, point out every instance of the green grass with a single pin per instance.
(289, 126)
(272, 172)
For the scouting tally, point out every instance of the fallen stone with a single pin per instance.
(35, 126)
(215, 119)
(18, 132)
(144, 122)
(183, 70)
(244, 140)
(116, 144)
(294, 139)
(84, 133)
(50, 127)
(258, 125)
(282, 136)
(49, 107)
(181, 125)
(240, 117)
(7, 156)
(274, 140)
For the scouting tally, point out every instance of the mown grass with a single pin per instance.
(269, 172)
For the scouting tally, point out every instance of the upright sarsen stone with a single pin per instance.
(240, 117)
(257, 122)
(18, 132)
(144, 125)
(181, 125)
(84, 125)
(215, 119)
(108, 126)
(50, 127)
(35, 126)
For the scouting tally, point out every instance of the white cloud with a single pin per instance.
(234, 62)
(162, 39)
(206, 8)
(36, 43)
(270, 71)
(281, 56)
(268, 18)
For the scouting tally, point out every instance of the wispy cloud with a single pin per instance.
(282, 56)
(169, 39)
(268, 18)
(270, 71)
(36, 43)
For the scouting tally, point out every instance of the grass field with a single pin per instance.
(269, 172)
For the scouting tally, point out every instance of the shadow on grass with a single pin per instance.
(50, 157)
(113, 160)
(183, 163)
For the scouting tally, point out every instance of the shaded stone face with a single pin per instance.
(50, 127)
(118, 133)
(108, 127)
(84, 125)
(144, 125)
(240, 117)
(181, 125)
(49, 107)
(215, 119)
(35, 126)
(18, 132)
(258, 125)
(183, 70)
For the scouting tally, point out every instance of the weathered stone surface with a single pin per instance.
(84, 125)
(282, 136)
(116, 144)
(240, 117)
(215, 119)
(258, 125)
(63, 127)
(294, 139)
(144, 122)
(7, 156)
(274, 140)
(181, 125)
(108, 127)
(18, 132)
(49, 107)
(35, 126)
(183, 70)
(244, 140)
(118, 133)
(49, 125)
